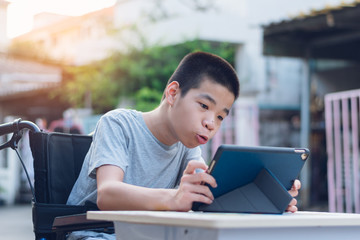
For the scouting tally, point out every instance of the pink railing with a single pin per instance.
(342, 136)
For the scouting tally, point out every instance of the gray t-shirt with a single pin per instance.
(122, 139)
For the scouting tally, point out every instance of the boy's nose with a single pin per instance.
(209, 124)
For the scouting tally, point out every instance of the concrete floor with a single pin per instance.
(16, 222)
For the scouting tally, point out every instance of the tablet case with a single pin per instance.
(264, 195)
(258, 188)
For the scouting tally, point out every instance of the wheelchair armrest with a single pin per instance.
(77, 222)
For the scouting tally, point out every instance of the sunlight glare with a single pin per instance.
(21, 12)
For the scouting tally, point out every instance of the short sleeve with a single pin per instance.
(109, 144)
(194, 154)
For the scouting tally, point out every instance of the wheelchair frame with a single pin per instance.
(52, 218)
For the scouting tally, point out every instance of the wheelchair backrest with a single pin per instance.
(58, 158)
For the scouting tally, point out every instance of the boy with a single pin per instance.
(137, 159)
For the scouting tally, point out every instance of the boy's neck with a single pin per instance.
(157, 122)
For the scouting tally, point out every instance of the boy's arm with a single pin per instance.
(114, 194)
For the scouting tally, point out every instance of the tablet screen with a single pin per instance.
(235, 166)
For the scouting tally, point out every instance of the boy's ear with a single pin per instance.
(172, 90)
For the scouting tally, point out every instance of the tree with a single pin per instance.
(139, 75)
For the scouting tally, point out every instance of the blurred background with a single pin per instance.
(65, 63)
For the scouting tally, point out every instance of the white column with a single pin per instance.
(246, 121)
(10, 170)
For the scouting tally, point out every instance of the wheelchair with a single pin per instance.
(58, 158)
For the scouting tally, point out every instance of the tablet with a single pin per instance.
(235, 166)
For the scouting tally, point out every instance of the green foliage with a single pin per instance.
(139, 75)
(147, 99)
(90, 85)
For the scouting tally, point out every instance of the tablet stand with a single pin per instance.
(264, 195)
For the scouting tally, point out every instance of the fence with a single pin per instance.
(342, 137)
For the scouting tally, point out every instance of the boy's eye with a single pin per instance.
(220, 118)
(204, 106)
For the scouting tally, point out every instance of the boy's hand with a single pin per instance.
(191, 187)
(294, 191)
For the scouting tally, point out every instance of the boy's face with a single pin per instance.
(196, 117)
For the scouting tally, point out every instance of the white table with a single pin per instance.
(135, 225)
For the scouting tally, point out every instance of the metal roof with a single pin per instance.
(332, 32)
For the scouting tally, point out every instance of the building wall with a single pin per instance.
(335, 79)
(3, 28)
(73, 40)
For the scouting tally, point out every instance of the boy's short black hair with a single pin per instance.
(197, 66)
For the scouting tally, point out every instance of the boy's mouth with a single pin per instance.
(202, 139)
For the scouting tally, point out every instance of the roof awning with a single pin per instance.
(330, 33)
(19, 77)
